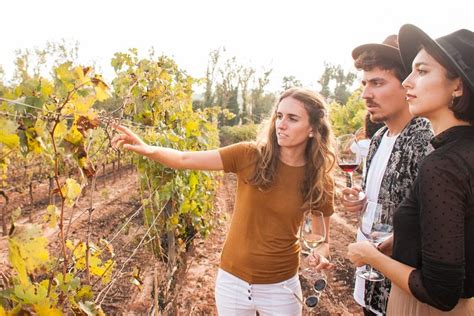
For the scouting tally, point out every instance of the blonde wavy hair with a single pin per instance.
(318, 183)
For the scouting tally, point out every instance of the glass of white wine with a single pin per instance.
(312, 235)
(313, 229)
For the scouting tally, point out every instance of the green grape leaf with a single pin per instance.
(64, 74)
(85, 293)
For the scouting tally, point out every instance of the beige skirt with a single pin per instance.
(401, 303)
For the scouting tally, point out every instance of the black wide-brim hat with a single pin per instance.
(456, 48)
(388, 49)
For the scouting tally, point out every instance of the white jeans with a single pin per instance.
(234, 296)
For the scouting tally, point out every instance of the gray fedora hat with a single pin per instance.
(456, 48)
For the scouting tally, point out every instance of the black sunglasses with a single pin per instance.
(313, 300)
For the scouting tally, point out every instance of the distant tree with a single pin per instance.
(2, 75)
(235, 87)
(349, 117)
(262, 102)
(33, 63)
(289, 82)
(245, 77)
(334, 76)
(209, 95)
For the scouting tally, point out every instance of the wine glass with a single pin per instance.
(313, 234)
(348, 157)
(376, 226)
(313, 229)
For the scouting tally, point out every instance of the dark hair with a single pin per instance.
(371, 127)
(371, 59)
(463, 106)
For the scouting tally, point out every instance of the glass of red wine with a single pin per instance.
(348, 157)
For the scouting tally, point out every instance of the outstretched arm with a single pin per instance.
(195, 160)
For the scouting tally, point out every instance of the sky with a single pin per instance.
(293, 37)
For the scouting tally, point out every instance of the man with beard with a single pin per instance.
(395, 150)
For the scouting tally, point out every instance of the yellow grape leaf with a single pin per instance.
(192, 129)
(17, 262)
(65, 75)
(79, 249)
(173, 138)
(2, 311)
(45, 310)
(165, 76)
(51, 216)
(174, 220)
(193, 180)
(74, 136)
(81, 76)
(71, 190)
(41, 128)
(32, 140)
(28, 249)
(8, 135)
(82, 105)
(46, 88)
(101, 89)
(96, 266)
(60, 130)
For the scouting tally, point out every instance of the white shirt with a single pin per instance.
(374, 180)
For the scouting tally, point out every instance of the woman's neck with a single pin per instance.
(292, 157)
(444, 121)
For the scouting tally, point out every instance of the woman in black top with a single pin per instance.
(432, 265)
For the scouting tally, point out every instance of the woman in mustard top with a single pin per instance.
(277, 178)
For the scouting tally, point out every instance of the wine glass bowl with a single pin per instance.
(348, 158)
(376, 227)
(313, 229)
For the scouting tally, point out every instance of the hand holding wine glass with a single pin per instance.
(376, 226)
(313, 235)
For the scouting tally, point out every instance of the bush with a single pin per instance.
(233, 134)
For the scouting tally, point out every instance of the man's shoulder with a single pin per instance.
(419, 125)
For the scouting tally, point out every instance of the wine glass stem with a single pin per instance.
(349, 179)
(370, 269)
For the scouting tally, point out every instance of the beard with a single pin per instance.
(377, 117)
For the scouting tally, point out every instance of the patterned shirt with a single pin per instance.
(410, 148)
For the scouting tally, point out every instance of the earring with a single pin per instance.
(452, 99)
(311, 135)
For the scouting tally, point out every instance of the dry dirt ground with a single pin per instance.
(196, 295)
(116, 202)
